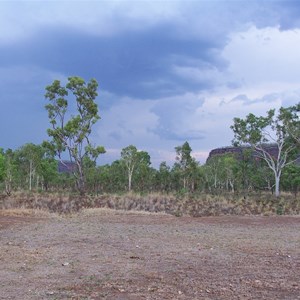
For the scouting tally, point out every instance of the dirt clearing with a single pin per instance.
(102, 254)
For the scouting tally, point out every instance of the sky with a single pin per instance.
(168, 71)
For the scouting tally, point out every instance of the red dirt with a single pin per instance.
(9, 221)
(115, 255)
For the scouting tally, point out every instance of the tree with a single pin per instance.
(132, 158)
(163, 177)
(185, 161)
(71, 133)
(291, 178)
(2, 164)
(291, 118)
(117, 180)
(144, 174)
(29, 157)
(9, 170)
(48, 170)
(260, 132)
(221, 172)
(245, 168)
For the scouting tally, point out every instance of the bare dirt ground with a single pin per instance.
(102, 254)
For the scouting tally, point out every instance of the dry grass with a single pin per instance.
(104, 211)
(22, 212)
(195, 205)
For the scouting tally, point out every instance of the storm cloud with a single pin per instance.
(168, 71)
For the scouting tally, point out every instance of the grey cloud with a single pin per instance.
(242, 98)
(172, 118)
(234, 85)
(139, 63)
(172, 134)
(129, 59)
(288, 12)
(247, 101)
(290, 98)
(135, 64)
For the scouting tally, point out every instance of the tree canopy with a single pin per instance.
(69, 132)
(259, 132)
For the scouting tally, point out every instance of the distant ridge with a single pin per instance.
(66, 166)
(271, 149)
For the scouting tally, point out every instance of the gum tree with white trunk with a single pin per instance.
(261, 132)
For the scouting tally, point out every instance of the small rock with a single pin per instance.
(50, 293)
(65, 264)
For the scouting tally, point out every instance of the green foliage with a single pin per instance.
(48, 171)
(71, 132)
(163, 180)
(272, 129)
(29, 159)
(186, 166)
(72, 112)
(36, 166)
(183, 155)
(291, 178)
(2, 164)
(135, 162)
(221, 173)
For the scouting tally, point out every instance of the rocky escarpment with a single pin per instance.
(239, 152)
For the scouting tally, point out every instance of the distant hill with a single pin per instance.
(238, 151)
(66, 167)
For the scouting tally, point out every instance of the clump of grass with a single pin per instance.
(54, 203)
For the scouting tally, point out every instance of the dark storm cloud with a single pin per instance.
(163, 51)
(22, 121)
(23, 118)
(136, 64)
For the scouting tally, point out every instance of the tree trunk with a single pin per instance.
(8, 182)
(129, 181)
(8, 187)
(81, 185)
(30, 175)
(277, 184)
(80, 180)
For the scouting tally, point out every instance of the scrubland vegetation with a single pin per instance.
(195, 205)
(226, 184)
(254, 181)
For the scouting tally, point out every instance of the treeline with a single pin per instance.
(33, 167)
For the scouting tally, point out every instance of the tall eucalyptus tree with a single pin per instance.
(70, 133)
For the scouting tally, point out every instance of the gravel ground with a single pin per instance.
(105, 254)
